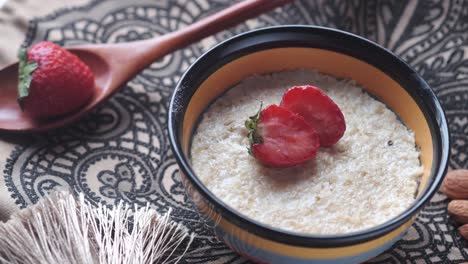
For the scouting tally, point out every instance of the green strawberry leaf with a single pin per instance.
(252, 126)
(25, 69)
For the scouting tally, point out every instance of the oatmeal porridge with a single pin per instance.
(370, 176)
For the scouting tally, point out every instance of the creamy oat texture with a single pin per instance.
(368, 177)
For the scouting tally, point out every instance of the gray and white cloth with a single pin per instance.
(121, 151)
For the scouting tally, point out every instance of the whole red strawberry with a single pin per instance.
(52, 81)
(281, 138)
(318, 110)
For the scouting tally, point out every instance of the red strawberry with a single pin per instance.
(318, 110)
(52, 81)
(281, 138)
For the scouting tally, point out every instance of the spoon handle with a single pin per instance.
(221, 20)
(130, 58)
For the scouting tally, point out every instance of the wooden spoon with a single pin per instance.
(114, 64)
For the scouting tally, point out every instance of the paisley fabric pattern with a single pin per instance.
(121, 151)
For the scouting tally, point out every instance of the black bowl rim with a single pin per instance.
(302, 239)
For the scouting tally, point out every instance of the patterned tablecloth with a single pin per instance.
(121, 151)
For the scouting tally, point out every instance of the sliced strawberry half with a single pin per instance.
(318, 110)
(281, 138)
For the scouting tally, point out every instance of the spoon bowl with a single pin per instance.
(12, 118)
(11, 115)
(114, 64)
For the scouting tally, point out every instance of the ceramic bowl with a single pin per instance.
(332, 52)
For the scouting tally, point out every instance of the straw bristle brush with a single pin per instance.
(61, 229)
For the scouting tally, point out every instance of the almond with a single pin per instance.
(458, 209)
(456, 184)
(463, 230)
